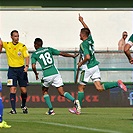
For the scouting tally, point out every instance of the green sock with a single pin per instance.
(48, 102)
(80, 97)
(69, 97)
(109, 85)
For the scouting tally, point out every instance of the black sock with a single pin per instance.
(13, 101)
(24, 97)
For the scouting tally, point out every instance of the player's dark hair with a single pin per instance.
(38, 41)
(13, 32)
(85, 31)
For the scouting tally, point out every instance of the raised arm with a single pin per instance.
(1, 45)
(82, 22)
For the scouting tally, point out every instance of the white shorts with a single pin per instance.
(93, 73)
(54, 80)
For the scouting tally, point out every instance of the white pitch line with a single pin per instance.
(72, 126)
(80, 127)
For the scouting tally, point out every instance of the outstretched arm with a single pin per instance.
(1, 45)
(68, 55)
(82, 22)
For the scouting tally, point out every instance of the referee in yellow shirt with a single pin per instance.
(18, 61)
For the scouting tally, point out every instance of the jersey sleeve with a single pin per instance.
(33, 59)
(5, 45)
(130, 40)
(54, 51)
(25, 51)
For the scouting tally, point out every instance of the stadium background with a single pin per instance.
(113, 64)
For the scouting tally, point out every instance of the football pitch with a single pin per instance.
(92, 120)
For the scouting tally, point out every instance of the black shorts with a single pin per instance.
(17, 74)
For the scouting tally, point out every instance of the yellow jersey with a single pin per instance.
(15, 53)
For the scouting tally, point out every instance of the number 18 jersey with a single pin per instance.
(44, 56)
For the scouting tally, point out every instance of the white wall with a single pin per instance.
(60, 29)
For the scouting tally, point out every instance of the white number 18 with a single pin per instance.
(46, 58)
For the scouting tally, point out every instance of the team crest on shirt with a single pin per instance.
(19, 53)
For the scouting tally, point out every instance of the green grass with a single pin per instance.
(92, 120)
